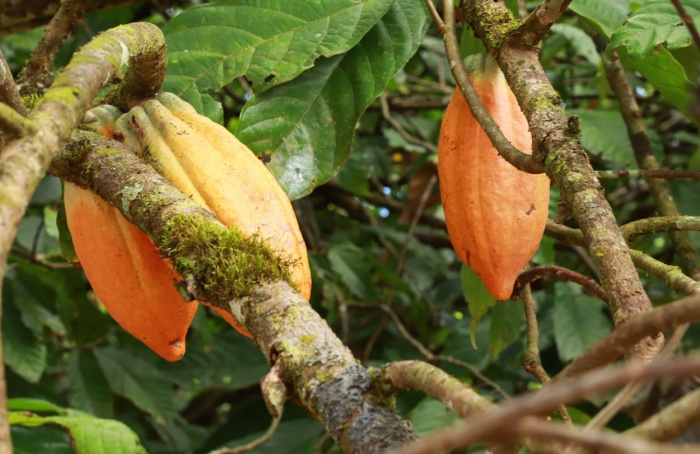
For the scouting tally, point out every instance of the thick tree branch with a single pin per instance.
(555, 141)
(311, 361)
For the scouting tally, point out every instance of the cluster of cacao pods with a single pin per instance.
(495, 213)
(208, 164)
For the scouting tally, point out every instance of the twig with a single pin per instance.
(623, 337)
(41, 260)
(517, 158)
(432, 357)
(269, 433)
(533, 365)
(688, 21)
(673, 420)
(57, 31)
(401, 261)
(565, 274)
(495, 424)
(660, 224)
(647, 174)
(386, 113)
(538, 22)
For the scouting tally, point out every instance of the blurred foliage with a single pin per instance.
(69, 364)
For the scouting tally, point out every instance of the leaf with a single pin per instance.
(604, 134)
(89, 388)
(578, 320)
(29, 293)
(507, 322)
(232, 363)
(354, 268)
(65, 241)
(33, 405)
(605, 16)
(92, 435)
(24, 354)
(654, 23)
(140, 382)
(270, 42)
(580, 41)
(89, 435)
(479, 300)
(667, 75)
(430, 415)
(48, 438)
(291, 437)
(308, 124)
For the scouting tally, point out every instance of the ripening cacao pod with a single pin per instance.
(207, 163)
(124, 267)
(495, 213)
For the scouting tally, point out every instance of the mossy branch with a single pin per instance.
(243, 276)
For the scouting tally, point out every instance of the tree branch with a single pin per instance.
(312, 362)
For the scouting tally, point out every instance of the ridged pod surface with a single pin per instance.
(207, 163)
(495, 214)
(123, 266)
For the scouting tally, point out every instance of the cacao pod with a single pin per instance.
(123, 266)
(495, 213)
(207, 163)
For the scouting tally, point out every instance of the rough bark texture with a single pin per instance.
(555, 142)
(314, 364)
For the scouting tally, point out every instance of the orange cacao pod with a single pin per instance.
(495, 213)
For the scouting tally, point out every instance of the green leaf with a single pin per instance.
(604, 134)
(605, 16)
(580, 41)
(479, 300)
(89, 435)
(507, 322)
(430, 415)
(100, 436)
(232, 362)
(354, 268)
(65, 241)
(667, 75)
(43, 439)
(308, 124)
(291, 437)
(654, 23)
(578, 321)
(137, 380)
(29, 293)
(270, 42)
(89, 388)
(23, 353)
(33, 405)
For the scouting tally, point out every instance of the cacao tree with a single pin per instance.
(433, 227)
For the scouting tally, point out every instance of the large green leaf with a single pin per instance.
(604, 16)
(307, 125)
(269, 41)
(656, 22)
(137, 380)
(354, 268)
(507, 324)
(578, 319)
(430, 415)
(89, 388)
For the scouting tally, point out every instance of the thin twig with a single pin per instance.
(269, 433)
(623, 337)
(57, 31)
(386, 113)
(647, 174)
(538, 22)
(8, 90)
(496, 424)
(565, 274)
(533, 365)
(688, 21)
